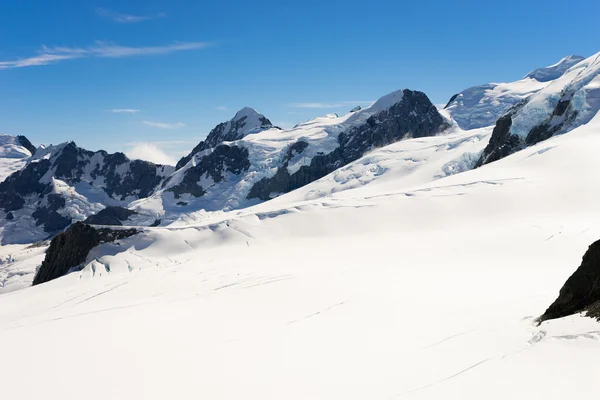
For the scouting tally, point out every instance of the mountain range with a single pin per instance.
(402, 250)
(247, 160)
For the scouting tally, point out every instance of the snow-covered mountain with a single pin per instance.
(64, 183)
(564, 104)
(268, 161)
(245, 121)
(555, 71)
(356, 256)
(417, 287)
(482, 105)
(14, 152)
(242, 162)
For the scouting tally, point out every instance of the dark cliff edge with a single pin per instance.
(70, 249)
(581, 292)
(23, 141)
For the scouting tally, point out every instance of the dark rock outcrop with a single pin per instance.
(454, 97)
(20, 184)
(111, 215)
(414, 116)
(214, 165)
(283, 182)
(502, 142)
(23, 141)
(581, 292)
(70, 249)
(49, 216)
(562, 115)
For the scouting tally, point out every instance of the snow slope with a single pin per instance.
(13, 156)
(482, 105)
(394, 289)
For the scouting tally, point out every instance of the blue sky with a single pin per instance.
(154, 76)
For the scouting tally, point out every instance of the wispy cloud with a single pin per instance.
(163, 125)
(49, 55)
(222, 108)
(328, 105)
(149, 152)
(160, 152)
(123, 111)
(126, 18)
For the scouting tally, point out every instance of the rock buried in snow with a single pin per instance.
(581, 292)
(70, 249)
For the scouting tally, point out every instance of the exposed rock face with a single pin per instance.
(502, 142)
(23, 141)
(213, 166)
(581, 292)
(54, 184)
(246, 121)
(414, 116)
(139, 179)
(111, 215)
(22, 183)
(48, 215)
(70, 249)
(561, 107)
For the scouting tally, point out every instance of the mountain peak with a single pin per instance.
(554, 71)
(245, 112)
(247, 120)
(388, 100)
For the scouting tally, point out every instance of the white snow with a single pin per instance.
(579, 83)
(554, 71)
(407, 287)
(482, 105)
(13, 156)
(18, 264)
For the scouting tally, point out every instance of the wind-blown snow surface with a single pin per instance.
(482, 105)
(390, 290)
(13, 156)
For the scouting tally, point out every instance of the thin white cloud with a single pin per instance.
(123, 111)
(149, 152)
(49, 55)
(328, 105)
(126, 18)
(222, 108)
(163, 125)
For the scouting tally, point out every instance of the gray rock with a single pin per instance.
(111, 215)
(70, 249)
(414, 116)
(221, 160)
(581, 292)
(23, 141)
